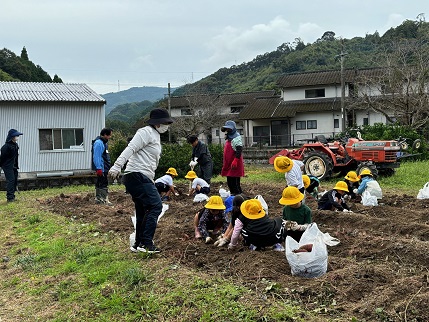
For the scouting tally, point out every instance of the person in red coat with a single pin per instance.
(233, 164)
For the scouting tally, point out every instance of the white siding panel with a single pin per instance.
(29, 118)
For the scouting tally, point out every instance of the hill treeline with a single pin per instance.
(263, 72)
(21, 69)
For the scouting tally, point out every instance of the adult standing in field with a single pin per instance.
(143, 153)
(101, 165)
(201, 156)
(9, 163)
(233, 164)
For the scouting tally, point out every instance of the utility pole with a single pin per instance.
(169, 110)
(343, 90)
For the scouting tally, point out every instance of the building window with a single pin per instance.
(365, 121)
(236, 109)
(217, 132)
(261, 135)
(336, 123)
(301, 125)
(60, 139)
(313, 93)
(312, 124)
(185, 112)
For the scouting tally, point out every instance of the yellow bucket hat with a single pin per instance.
(215, 202)
(283, 164)
(341, 185)
(306, 180)
(252, 209)
(191, 175)
(365, 172)
(172, 171)
(291, 196)
(352, 176)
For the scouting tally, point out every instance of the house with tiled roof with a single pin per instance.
(226, 107)
(58, 122)
(309, 104)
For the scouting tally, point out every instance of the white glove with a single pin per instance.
(345, 210)
(114, 172)
(231, 246)
(347, 197)
(297, 227)
(195, 159)
(209, 240)
(221, 242)
(176, 193)
(355, 190)
(193, 164)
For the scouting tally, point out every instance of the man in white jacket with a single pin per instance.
(143, 153)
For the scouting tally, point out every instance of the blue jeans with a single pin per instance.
(147, 203)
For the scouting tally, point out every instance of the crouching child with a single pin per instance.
(334, 199)
(211, 218)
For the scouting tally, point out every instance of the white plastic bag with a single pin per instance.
(314, 263)
(424, 192)
(263, 203)
(224, 193)
(368, 199)
(199, 197)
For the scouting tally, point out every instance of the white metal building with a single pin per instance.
(58, 122)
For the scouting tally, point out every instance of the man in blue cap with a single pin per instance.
(9, 163)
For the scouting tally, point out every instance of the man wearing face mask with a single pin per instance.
(9, 163)
(143, 153)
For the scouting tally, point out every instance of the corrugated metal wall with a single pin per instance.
(28, 118)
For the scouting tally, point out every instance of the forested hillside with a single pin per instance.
(262, 72)
(22, 69)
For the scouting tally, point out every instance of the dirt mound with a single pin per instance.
(379, 271)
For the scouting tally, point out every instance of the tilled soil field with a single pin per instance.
(378, 272)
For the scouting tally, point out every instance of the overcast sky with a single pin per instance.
(113, 45)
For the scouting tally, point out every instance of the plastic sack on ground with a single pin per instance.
(200, 197)
(263, 203)
(164, 209)
(368, 199)
(314, 263)
(424, 192)
(223, 193)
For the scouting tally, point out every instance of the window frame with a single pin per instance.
(311, 122)
(300, 127)
(61, 139)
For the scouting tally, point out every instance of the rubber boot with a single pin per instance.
(104, 197)
(98, 196)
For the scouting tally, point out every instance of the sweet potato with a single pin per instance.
(300, 250)
(307, 247)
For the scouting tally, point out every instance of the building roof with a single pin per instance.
(326, 77)
(275, 107)
(47, 92)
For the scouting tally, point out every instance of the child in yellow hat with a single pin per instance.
(352, 180)
(211, 217)
(198, 185)
(256, 228)
(165, 185)
(295, 212)
(334, 199)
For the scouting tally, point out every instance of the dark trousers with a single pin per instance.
(11, 175)
(147, 203)
(234, 185)
(102, 181)
(206, 171)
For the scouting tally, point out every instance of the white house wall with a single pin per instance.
(293, 94)
(29, 118)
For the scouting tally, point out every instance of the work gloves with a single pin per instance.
(296, 227)
(355, 190)
(193, 163)
(234, 163)
(345, 210)
(114, 172)
(99, 173)
(209, 240)
(221, 242)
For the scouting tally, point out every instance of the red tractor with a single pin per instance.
(322, 158)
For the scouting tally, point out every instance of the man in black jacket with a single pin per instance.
(9, 163)
(201, 156)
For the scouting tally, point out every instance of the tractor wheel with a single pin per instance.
(318, 164)
(404, 146)
(371, 167)
(417, 144)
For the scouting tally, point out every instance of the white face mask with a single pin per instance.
(162, 128)
(16, 138)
